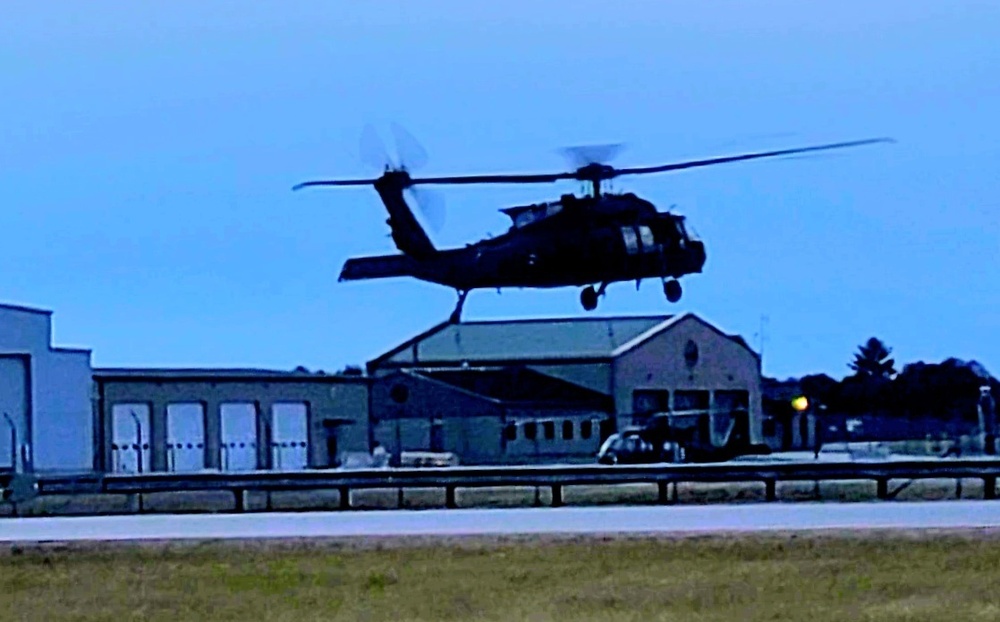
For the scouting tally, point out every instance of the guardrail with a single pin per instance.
(555, 477)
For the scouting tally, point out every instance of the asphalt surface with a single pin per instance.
(564, 520)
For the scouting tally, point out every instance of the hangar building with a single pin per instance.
(46, 414)
(491, 392)
(552, 389)
(229, 420)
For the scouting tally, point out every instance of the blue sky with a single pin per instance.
(148, 152)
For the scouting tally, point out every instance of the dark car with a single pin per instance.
(637, 446)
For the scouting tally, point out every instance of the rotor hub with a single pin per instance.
(595, 172)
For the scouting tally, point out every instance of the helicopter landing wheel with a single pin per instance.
(672, 290)
(588, 298)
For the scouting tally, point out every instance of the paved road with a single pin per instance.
(564, 520)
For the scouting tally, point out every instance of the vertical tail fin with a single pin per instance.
(407, 233)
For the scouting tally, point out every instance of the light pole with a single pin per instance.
(800, 404)
(138, 440)
(13, 441)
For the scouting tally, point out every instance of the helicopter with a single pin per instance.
(588, 241)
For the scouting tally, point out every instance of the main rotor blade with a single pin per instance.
(338, 182)
(749, 156)
(494, 179)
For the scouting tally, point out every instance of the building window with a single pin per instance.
(510, 431)
(550, 429)
(647, 401)
(567, 430)
(586, 428)
(531, 430)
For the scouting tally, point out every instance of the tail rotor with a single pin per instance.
(410, 156)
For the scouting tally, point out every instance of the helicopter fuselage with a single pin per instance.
(570, 242)
(569, 249)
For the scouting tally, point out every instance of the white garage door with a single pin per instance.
(13, 411)
(185, 437)
(289, 436)
(130, 438)
(239, 437)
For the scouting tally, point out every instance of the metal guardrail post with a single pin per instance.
(661, 490)
(770, 492)
(557, 500)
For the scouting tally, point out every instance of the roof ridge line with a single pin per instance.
(567, 318)
(650, 333)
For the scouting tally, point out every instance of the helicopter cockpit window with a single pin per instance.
(536, 212)
(687, 230)
(525, 218)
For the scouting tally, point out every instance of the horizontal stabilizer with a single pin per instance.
(379, 267)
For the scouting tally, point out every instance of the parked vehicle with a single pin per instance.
(677, 438)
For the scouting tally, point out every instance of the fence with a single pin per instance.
(554, 477)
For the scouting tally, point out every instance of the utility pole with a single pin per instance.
(762, 337)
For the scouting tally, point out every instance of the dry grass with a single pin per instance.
(883, 577)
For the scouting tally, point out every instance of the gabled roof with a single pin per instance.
(523, 340)
(514, 384)
(580, 339)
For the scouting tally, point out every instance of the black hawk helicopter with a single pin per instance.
(599, 238)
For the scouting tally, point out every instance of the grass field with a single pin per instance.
(819, 578)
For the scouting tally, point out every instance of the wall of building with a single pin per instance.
(534, 435)
(15, 391)
(46, 393)
(660, 364)
(206, 421)
(407, 407)
(479, 430)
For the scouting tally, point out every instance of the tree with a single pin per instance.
(351, 370)
(872, 361)
(819, 388)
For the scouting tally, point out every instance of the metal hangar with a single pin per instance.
(543, 390)
(46, 414)
(228, 419)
